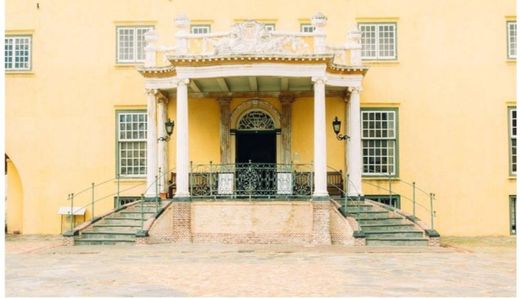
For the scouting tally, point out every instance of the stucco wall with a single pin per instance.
(453, 135)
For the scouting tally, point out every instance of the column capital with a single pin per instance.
(224, 100)
(183, 81)
(161, 96)
(355, 89)
(319, 79)
(286, 99)
(346, 95)
(150, 91)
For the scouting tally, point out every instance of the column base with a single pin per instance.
(181, 198)
(320, 197)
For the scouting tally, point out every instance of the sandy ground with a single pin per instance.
(39, 266)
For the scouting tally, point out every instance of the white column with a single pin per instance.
(162, 153)
(354, 144)
(151, 144)
(320, 139)
(182, 154)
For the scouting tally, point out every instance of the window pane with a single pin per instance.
(17, 53)
(379, 142)
(126, 44)
(200, 29)
(378, 41)
(140, 42)
(307, 28)
(511, 37)
(132, 143)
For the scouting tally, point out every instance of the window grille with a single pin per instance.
(512, 136)
(17, 53)
(132, 128)
(200, 29)
(379, 137)
(256, 120)
(378, 41)
(511, 40)
(131, 43)
(393, 200)
(306, 28)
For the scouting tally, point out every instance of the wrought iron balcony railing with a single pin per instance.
(255, 180)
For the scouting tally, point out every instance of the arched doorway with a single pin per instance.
(255, 128)
(255, 138)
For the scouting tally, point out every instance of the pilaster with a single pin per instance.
(225, 123)
(286, 116)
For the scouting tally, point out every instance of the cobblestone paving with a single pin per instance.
(43, 268)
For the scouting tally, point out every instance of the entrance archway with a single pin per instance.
(255, 138)
(255, 133)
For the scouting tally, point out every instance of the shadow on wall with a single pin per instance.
(13, 198)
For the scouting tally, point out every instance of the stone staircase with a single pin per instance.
(385, 228)
(117, 228)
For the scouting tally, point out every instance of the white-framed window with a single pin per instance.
(131, 143)
(379, 138)
(17, 53)
(378, 40)
(130, 43)
(200, 29)
(512, 142)
(511, 39)
(306, 28)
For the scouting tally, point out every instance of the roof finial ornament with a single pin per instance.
(319, 20)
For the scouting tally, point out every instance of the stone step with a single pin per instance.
(382, 221)
(356, 209)
(394, 234)
(376, 217)
(107, 235)
(122, 218)
(146, 215)
(115, 229)
(393, 227)
(103, 242)
(397, 242)
(369, 214)
(120, 221)
(130, 215)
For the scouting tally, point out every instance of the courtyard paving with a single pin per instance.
(39, 266)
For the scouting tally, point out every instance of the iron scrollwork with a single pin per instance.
(251, 180)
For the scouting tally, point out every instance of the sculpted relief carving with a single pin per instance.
(252, 37)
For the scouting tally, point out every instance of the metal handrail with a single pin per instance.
(413, 200)
(118, 192)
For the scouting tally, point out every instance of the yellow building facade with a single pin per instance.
(434, 81)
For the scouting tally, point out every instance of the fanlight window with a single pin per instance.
(255, 121)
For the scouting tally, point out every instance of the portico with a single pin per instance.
(253, 64)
